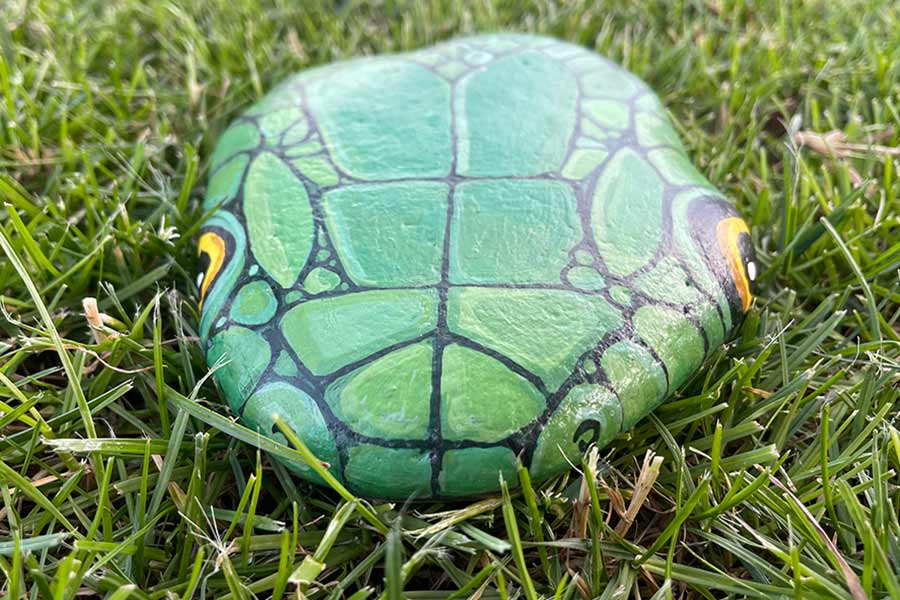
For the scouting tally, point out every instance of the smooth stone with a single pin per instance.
(438, 265)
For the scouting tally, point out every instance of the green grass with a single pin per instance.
(774, 473)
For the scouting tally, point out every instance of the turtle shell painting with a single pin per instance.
(434, 266)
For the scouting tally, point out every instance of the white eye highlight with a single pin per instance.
(751, 270)
(200, 279)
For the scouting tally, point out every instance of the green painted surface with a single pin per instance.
(279, 218)
(285, 365)
(354, 126)
(675, 167)
(636, 377)
(299, 412)
(676, 341)
(226, 279)
(608, 114)
(316, 169)
(321, 280)
(254, 304)
(400, 383)
(627, 186)
(543, 330)
(464, 407)
(332, 332)
(433, 262)
(225, 182)
(274, 123)
(296, 133)
(589, 414)
(512, 231)
(586, 278)
(654, 129)
(495, 139)
(583, 161)
(389, 235)
(409, 473)
(247, 355)
(475, 471)
(239, 137)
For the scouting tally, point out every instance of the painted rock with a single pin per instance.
(435, 264)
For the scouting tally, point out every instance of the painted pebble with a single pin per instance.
(435, 264)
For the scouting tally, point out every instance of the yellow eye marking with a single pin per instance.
(728, 232)
(213, 246)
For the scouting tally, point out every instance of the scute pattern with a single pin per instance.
(404, 256)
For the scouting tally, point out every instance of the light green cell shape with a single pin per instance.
(225, 182)
(607, 113)
(274, 123)
(609, 81)
(709, 318)
(565, 52)
(585, 278)
(499, 43)
(543, 330)
(620, 294)
(475, 471)
(279, 218)
(318, 169)
(636, 377)
(321, 280)
(505, 142)
(589, 367)
(589, 144)
(427, 57)
(583, 161)
(582, 62)
(583, 257)
(247, 354)
(354, 126)
(675, 340)
(254, 304)
(654, 129)
(312, 146)
(401, 382)
(239, 137)
(285, 365)
(296, 133)
(500, 403)
(669, 282)
(675, 167)
(329, 333)
(453, 69)
(299, 412)
(293, 296)
(627, 187)
(595, 132)
(389, 472)
(650, 103)
(595, 410)
(512, 231)
(389, 235)
(477, 58)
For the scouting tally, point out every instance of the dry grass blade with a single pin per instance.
(642, 487)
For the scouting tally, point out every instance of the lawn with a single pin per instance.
(773, 473)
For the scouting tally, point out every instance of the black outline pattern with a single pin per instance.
(324, 255)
